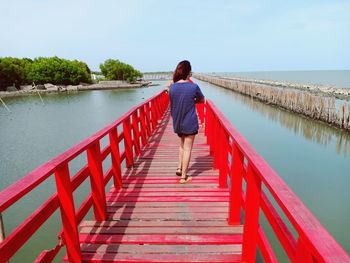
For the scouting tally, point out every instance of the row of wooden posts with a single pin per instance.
(311, 105)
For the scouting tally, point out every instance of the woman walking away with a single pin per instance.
(183, 97)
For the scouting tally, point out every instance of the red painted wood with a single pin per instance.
(201, 209)
(167, 216)
(105, 152)
(69, 222)
(216, 144)
(265, 248)
(161, 249)
(26, 229)
(96, 179)
(162, 239)
(148, 119)
(282, 232)
(159, 230)
(302, 254)
(48, 255)
(153, 115)
(251, 217)
(136, 133)
(175, 194)
(300, 217)
(143, 127)
(167, 199)
(223, 158)
(155, 223)
(200, 111)
(128, 142)
(13, 193)
(152, 190)
(236, 186)
(145, 196)
(163, 185)
(115, 158)
(164, 258)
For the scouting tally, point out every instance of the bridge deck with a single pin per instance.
(153, 218)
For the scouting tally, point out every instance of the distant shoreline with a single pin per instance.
(327, 90)
(313, 102)
(49, 88)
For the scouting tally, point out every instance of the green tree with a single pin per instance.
(58, 71)
(42, 70)
(13, 71)
(117, 70)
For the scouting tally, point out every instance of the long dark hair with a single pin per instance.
(182, 71)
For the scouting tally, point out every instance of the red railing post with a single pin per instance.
(223, 140)
(251, 217)
(69, 221)
(148, 120)
(143, 126)
(235, 202)
(206, 121)
(302, 254)
(128, 142)
(115, 156)
(97, 182)
(200, 111)
(216, 144)
(136, 132)
(209, 126)
(153, 115)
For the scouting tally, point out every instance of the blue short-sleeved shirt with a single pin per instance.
(183, 97)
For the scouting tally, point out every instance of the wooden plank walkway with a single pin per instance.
(153, 218)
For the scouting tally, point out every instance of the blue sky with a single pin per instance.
(152, 35)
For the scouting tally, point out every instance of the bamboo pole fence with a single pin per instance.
(316, 107)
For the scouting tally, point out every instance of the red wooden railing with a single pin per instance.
(136, 126)
(233, 156)
(239, 162)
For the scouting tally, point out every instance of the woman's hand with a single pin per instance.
(167, 86)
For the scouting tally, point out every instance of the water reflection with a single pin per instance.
(311, 130)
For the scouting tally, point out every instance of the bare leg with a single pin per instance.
(181, 150)
(186, 157)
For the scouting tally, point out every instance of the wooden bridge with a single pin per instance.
(147, 216)
(158, 76)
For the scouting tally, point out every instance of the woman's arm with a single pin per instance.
(167, 86)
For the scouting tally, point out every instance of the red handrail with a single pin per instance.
(237, 160)
(233, 156)
(146, 115)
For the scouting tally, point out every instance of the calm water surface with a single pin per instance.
(313, 158)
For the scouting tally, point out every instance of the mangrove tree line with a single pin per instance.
(54, 70)
(117, 70)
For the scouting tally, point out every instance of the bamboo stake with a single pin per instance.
(302, 102)
(3, 103)
(38, 93)
(2, 229)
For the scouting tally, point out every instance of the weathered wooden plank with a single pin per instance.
(165, 180)
(175, 194)
(161, 249)
(160, 230)
(193, 184)
(153, 218)
(166, 216)
(162, 239)
(130, 223)
(167, 199)
(180, 209)
(163, 258)
(168, 204)
(184, 190)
